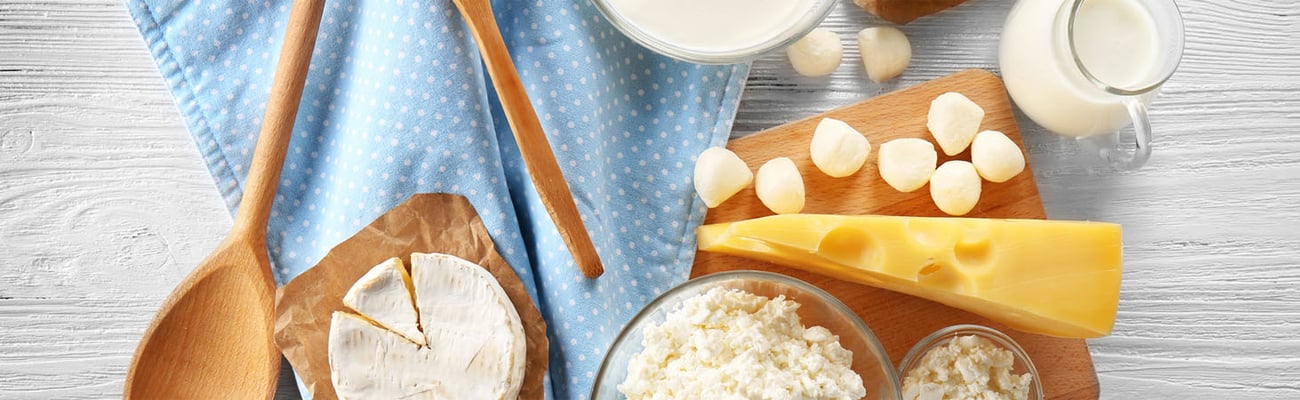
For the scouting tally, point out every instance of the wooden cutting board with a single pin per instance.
(900, 320)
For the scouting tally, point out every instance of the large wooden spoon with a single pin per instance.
(212, 339)
(536, 150)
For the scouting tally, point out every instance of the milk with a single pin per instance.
(1116, 40)
(714, 25)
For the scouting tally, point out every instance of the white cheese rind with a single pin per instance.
(728, 343)
(469, 320)
(475, 349)
(369, 362)
(384, 296)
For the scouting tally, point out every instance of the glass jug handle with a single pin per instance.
(1128, 160)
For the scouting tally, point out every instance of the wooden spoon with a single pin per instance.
(536, 150)
(212, 339)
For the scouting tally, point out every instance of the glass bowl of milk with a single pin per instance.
(1090, 68)
(714, 31)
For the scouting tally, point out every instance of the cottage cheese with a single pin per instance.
(736, 345)
(968, 368)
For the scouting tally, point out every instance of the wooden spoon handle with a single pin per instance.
(536, 150)
(277, 124)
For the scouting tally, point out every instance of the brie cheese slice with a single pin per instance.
(474, 340)
(384, 296)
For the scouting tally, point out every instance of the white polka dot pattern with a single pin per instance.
(397, 103)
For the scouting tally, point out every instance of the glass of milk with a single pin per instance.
(1089, 68)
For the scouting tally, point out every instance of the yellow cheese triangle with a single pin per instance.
(1057, 278)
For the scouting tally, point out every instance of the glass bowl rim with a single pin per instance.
(821, 9)
(998, 338)
(871, 340)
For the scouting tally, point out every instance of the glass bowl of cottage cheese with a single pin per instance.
(746, 334)
(967, 362)
(714, 31)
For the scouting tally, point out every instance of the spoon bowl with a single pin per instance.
(209, 342)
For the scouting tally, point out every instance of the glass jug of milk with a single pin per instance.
(1088, 68)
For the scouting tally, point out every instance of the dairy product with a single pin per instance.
(474, 338)
(728, 344)
(817, 54)
(1058, 278)
(383, 295)
(779, 186)
(837, 149)
(955, 187)
(966, 367)
(996, 157)
(720, 174)
(1116, 40)
(906, 163)
(954, 120)
(714, 25)
(885, 52)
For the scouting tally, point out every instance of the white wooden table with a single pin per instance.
(105, 204)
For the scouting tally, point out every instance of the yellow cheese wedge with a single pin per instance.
(1057, 278)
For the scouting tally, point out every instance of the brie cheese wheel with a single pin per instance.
(384, 296)
(474, 340)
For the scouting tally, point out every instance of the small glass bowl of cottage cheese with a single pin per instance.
(719, 331)
(968, 361)
(714, 31)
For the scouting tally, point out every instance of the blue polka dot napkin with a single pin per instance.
(397, 103)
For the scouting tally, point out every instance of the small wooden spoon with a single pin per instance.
(212, 339)
(536, 150)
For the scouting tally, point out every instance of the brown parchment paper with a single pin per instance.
(425, 223)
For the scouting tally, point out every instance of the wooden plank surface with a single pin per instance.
(898, 320)
(105, 205)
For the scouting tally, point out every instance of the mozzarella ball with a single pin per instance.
(885, 52)
(837, 149)
(779, 186)
(954, 120)
(906, 164)
(996, 157)
(817, 54)
(955, 187)
(720, 174)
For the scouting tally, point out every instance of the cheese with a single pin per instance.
(367, 361)
(966, 367)
(384, 296)
(1057, 278)
(474, 339)
(467, 313)
(732, 344)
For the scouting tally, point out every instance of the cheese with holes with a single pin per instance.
(1057, 278)
(474, 340)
